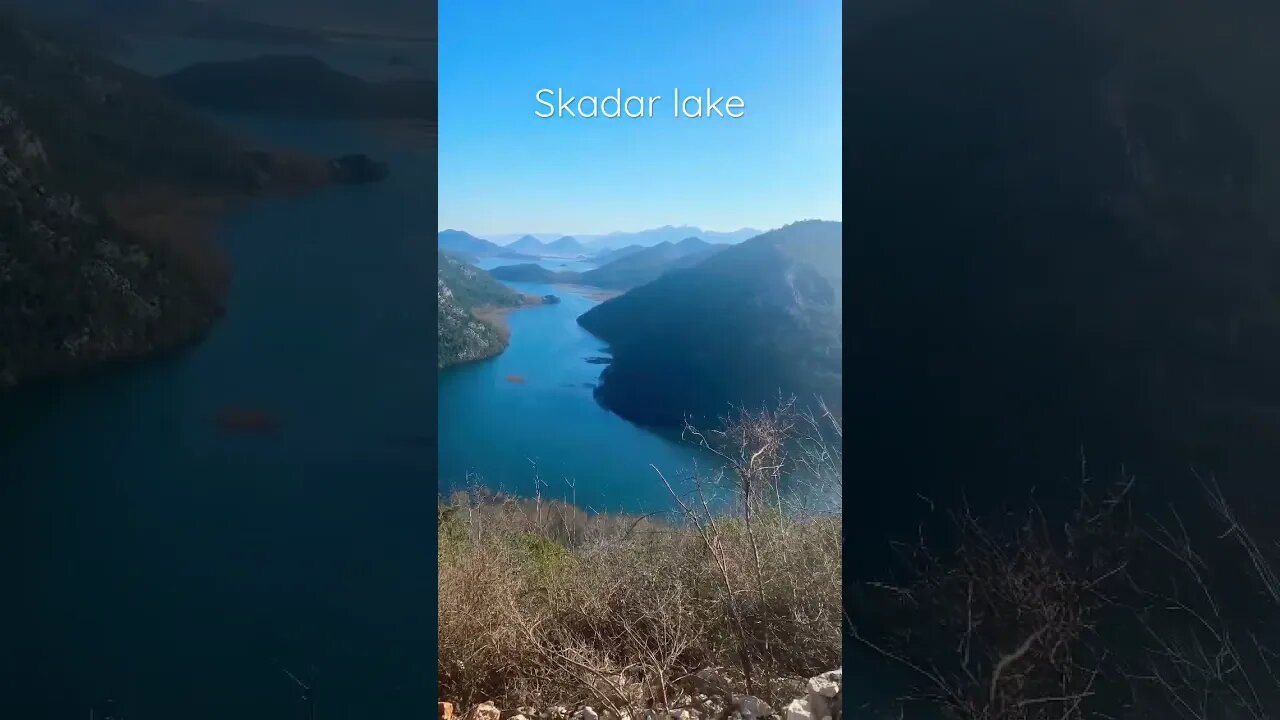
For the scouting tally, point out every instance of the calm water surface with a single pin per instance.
(546, 424)
(153, 558)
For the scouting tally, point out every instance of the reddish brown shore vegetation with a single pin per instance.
(242, 419)
(594, 293)
(496, 317)
(182, 223)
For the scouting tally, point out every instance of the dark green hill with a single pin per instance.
(751, 321)
(471, 286)
(105, 128)
(301, 85)
(462, 291)
(535, 273)
(647, 264)
(107, 193)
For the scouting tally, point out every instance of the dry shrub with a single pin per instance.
(1105, 615)
(542, 603)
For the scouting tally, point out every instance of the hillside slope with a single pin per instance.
(648, 264)
(302, 85)
(462, 289)
(107, 190)
(110, 192)
(751, 321)
(632, 269)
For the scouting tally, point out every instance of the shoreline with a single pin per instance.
(589, 291)
(496, 318)
(181, 225)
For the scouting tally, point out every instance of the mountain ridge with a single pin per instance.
(109, 195)
(299, 85)
(678, 342)
(651, 236)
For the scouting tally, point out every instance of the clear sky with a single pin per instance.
(504, 170)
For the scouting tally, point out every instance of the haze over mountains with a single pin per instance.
(653, 236)
(700, 326)
(623, 270)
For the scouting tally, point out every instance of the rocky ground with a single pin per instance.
(711, 694)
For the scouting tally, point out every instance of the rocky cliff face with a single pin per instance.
(74, 289)
(463, 290)
(462, 336)
(108, 195)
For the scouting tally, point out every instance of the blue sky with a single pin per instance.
(504, 170)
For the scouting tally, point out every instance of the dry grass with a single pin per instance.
(542, 603)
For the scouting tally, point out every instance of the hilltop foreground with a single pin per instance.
(724, 607)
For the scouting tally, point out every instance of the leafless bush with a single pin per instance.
(1105, 616)
(1013, 616)
(1201, 659)
(542, 603)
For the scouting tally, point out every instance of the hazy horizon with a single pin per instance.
(547, 236)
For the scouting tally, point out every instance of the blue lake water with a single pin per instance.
(152, 557)
(549, 426)
(157, 559)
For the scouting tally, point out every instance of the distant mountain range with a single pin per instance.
(602, 249)
(566, 246)
(622, 273)
(737, 327)
(299, 85)
(643, 238)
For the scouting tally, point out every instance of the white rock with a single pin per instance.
(752, 706)
(484, 711)
(798, 710)
(587, 713)
(823, 686)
